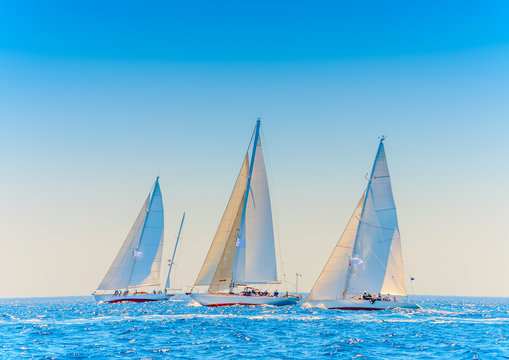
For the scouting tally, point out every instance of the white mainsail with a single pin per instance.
(256, 262)
(372, 238)
(243, 250)
(138, 263)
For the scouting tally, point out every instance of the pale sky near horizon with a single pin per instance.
(97, 100)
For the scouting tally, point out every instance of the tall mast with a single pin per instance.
(368, 188)
(174, 252)
(246, 195)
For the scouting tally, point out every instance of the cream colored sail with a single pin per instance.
(394, 282)
(223, 275)
(332, 281)
(224, 241)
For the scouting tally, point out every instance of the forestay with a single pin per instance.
(332, 281)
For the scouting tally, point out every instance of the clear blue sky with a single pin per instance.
(96, 99)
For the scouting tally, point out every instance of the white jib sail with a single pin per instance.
(377, 242)
(332, 281)
(256, 262)
(138, 262)
(226, 234)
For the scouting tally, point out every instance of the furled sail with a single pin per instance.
(256, 261)
(377, 242)
(138, 263)
(223, 246)
(332, 281)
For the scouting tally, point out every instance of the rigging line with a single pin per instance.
(338, 244)
(395, 283)
(251, 141)
(178, 256)
(275, 215)
(246, 197)
(172, 261)
(209, 252)
(143, 228)
(376, 256)
(366, 245)
(375, 226)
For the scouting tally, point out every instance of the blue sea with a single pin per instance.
(78, 328)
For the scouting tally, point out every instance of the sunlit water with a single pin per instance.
(76, 327)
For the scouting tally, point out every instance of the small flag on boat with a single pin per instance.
(355, 261)
(137, 253)
(240, 243)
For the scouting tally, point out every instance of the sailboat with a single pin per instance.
(134, 275)
(243, 251)
(365, 270)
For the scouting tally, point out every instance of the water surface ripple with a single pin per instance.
(78, 328)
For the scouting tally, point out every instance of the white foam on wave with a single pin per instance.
(194, 303)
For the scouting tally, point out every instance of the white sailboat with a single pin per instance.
(134, 275)
(243, 252)
(367, 260)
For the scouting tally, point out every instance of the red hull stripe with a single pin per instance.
(232, 304)
(130, 300)
(355, 308)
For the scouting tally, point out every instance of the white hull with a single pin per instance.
(214, 300)
(362, 304)
(110, 298)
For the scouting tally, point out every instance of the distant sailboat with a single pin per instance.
(243, 251)
(135, 273)
(368, 258)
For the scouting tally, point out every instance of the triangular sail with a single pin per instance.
(138, 261)
(224, 272)
(224, 235)
(332, 281)
(256, 261)
(372, 239)
(377, 239)
(394, 282)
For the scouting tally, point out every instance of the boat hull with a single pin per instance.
(362, 304)
(215, 300)
(111, 299)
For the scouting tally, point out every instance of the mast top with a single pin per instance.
(258, 120)
(382, 138)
